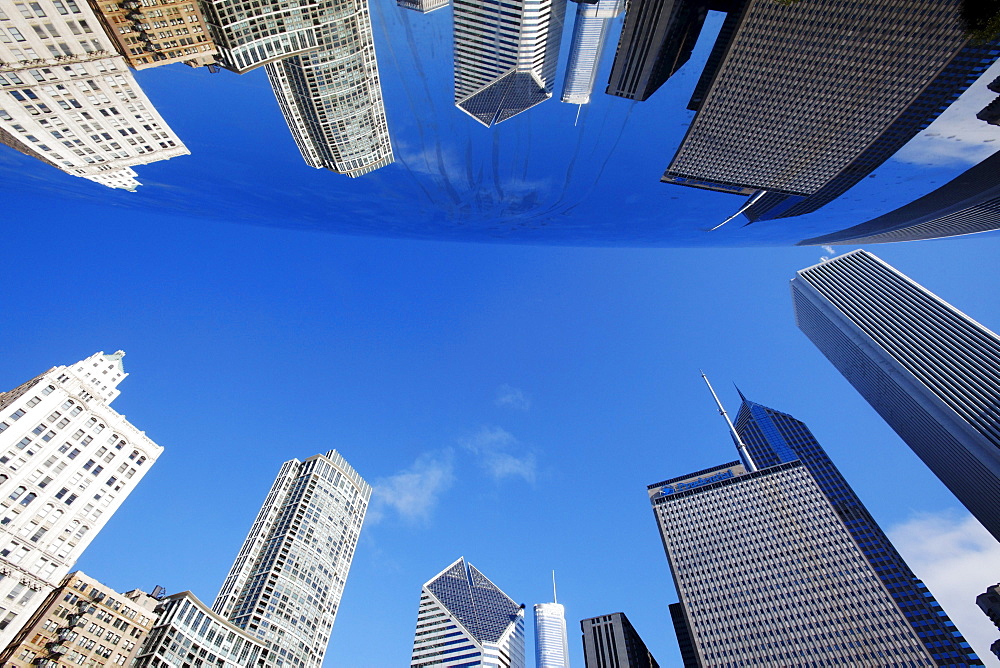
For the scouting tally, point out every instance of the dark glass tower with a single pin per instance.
(610, 641)
(774, 438)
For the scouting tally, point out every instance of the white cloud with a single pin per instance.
(957, 137)
(512, 397)
(413, 493)
(493, 446)
(957, 559)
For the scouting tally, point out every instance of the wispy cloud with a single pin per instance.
(957, 559)
(412, 494)
(512, 397)
(497, 449)
(957, 137)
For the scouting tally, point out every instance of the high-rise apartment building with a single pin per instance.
(929, 370)
(551, 643)
(610, 641)
(149, 34)
(768, 574)
(590, 32)
(67, 98)
(423, 6)
(83, 623)
(466, 620)
(285, 586)
(812, 117)
(505, 55)
(967, 204)
(772, 438)
(67, 462)
(187, 632)
(656, 40)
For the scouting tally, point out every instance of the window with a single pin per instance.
(34, 401)
(17, 493)
(17, 415)
(3, 425)
(49, 389)
(74, 453)
(28, 498)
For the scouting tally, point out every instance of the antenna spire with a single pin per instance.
(740, 445)
(555, 599)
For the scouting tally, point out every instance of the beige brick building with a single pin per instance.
(149, 33)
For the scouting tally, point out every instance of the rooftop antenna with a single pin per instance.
(554, 598)
(579, 108)
(740, 445)
(750, 202)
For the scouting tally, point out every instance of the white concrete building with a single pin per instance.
(68, 99)
(67, 461)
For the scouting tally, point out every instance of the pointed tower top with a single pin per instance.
(740, 445)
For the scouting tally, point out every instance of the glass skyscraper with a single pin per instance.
(773, 438)
(551, 643)
(930, 371)
(285, 586)
(466, 620)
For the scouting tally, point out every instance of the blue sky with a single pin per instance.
(510, 402)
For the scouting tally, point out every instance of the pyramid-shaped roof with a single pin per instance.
(474, 602)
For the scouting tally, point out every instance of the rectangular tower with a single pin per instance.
(929, 370)
(610, 641)
(768, 574)
(590, 31)
(67, 462)
(551, 643)
(286, 583)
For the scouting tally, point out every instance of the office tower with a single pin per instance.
(332, 98)
(551, 643)
(149, 35)
(83, 622)
(284, 587)
(991, 112)
(590, 31)
(656, 40)
(772, 438)
(989, 603)
(813, 118)
(505, 55)
(769, 542)
(929, 370)
(67, 461)
(610, 641)
(967, 204)
(70, 101)
(463, 617)
(423, 6)
(187, 631)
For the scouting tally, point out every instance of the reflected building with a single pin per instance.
(505, 55)
(149, 35)
(466, 620)
(805, 149)
(590, 32)
(967, 204)
(656, 40)
(928, 369)
(991, 112)
(68, 99)
(285, 586)
(610, 641)
(423, 6)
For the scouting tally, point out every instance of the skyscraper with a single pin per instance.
(929, 370)
(464, 619)
(67, 462)
(286, 583)
(773, 438)
(812, 117)
(967, 204)
(590, 31)
(551, 643)
(610, 641)
(505, 55)
(423, 6)
(656, 40)
(70, 101)
(989, 603)
(147, 35)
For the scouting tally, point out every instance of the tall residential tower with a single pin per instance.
(67, 462)
(285, 586)
(465, 620)
(929, 370)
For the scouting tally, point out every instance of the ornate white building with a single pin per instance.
(67, 461)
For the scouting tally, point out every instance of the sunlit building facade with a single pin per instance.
(505, 55)
(929, 370)
(285, 586)
(466, 620)
(149, 34)
(68, 99)
(67, 462)
(551, 643)
(590, 32)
